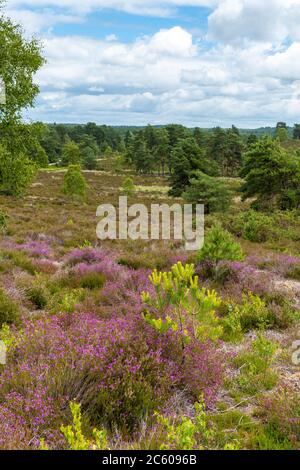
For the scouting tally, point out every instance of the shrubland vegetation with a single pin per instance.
(135, 344)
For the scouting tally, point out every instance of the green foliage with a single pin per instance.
(272, 176)
(9, 310)
(38, 295)
(70, 154)
(20, 59)
(92, 281)
(128, 187)
(187, 157)
(259, 227)
(211, 192)
(75, 437)
(281, 411)
(180, 289)
(186, 433)
(296, 132)
(74, 183)
(252, 313)
(253, 226)
(256, 374)
(219, 246)
(3, 221)
(16, 173)
(225, 148)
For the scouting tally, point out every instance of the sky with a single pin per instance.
(195, 62)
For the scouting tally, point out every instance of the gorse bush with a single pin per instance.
(74, 185)
(220, 245)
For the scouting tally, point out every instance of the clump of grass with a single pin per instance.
(9, 310)
(256, 373)
(38, 295)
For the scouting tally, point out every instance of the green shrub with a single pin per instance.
(9, 310)
(92, 281)
(281, 411)
(3, 221)
(145, 260)
(253, 226)
(21, 260)
(128, 187)
(209, 191)
(74, 185)
(256, 373)
(75, 437)
(38, 295)
(71, 154)
(253, 313)
(220, 246)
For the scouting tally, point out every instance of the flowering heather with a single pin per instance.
(107, 267)
(119, 370)
(247, 278)
(87, 255)
(33, 248)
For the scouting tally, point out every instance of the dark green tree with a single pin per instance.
(296, 132)
(272, 176)
(187, 157)
(211, 192)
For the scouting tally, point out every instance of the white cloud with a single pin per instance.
(260, 21)
(249, 75)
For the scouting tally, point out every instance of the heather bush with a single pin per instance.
(120, 370)
(281, 411)
(9, 310)
(33, 248)
(86, 255)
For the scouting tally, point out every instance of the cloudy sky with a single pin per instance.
(195, 62)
